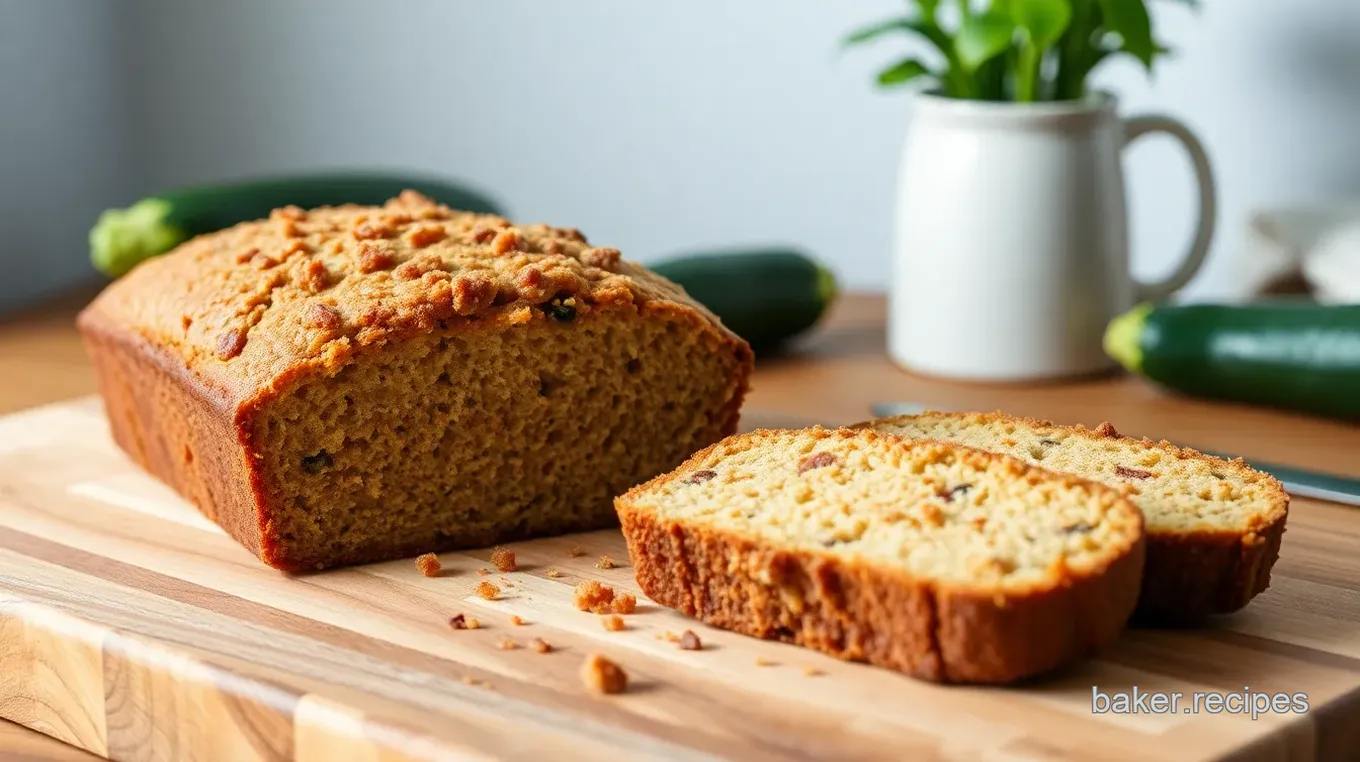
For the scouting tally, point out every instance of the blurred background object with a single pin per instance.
(654, 128)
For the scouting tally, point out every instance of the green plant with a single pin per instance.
(1017, 50)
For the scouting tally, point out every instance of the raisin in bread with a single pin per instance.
(359, 383)
(943, 562)
(1213, 525)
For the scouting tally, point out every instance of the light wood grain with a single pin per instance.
(134, 628)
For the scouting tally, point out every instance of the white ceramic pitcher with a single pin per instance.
(1011, 251)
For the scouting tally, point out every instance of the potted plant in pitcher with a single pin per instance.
(1011, 245)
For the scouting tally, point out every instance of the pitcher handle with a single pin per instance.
(1208, 204)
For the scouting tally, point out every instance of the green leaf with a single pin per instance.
(901, 72)
(926, 29)
(874, 31)
(982, 38)
(1129, 19)
(1044, 20)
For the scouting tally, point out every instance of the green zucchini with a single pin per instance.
(123, 238)
(766, 296)
(1286, 354)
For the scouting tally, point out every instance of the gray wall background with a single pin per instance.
(653, 127)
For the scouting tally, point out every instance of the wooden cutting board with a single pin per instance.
(132, 627)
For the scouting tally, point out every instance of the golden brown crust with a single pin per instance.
(1189, 574)
(236, 307)
(859, 611)
(190, 347)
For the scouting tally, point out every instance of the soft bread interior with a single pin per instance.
(932, 511)
(486, 434)
(1178, 490)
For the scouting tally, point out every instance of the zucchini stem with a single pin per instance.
(124, 238)
(1123, 337)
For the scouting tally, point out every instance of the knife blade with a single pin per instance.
(1297, 481)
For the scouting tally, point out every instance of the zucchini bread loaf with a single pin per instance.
(352, 384)
(1213, 526)
(946, 563)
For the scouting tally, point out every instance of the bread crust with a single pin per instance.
(858, 611)
(1188, 575)
(188, 415)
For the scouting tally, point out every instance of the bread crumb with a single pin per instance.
(669, 637)
(483, 572)
(503, 559)
(540, 645)
(613, 622)
(625, 603)
(605, 562)
(429, 565)
(470, 680)
(761, 661)
(576, 551)
(603, 676)
(508, 644)
(487, 590)
(462, 622)
(593, 597)
(812, 671)
(553, 572)
(690, 642)
(515, 620)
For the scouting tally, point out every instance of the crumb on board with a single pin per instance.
(602, 675)
(669, 637)
(605, 562)
(507, 582)
(429, 565)
(690, 642)
(507, 644)
(487, 590)
(761, 661)
(464, 622)
(625, 603)
(613, 622)
(553, 572)
(515, 620)
(575, 551)
(540, 645)
(470, 680)
(503, 559)
(593, 597)
(812, 671)
(483, 571)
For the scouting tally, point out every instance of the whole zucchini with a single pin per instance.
(766, 296)
(1290, 355)
(122, 238)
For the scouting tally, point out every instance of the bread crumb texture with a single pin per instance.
(384, 381)
(602, 675)
(487, 590)
(613, 622)
(464, 622)
(605, 562)
(870, 547)
(1213, 525)
(594, 597)
(429, 565)
(503, 559)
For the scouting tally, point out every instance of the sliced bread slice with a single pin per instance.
(943, 562)
(1213, 525)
